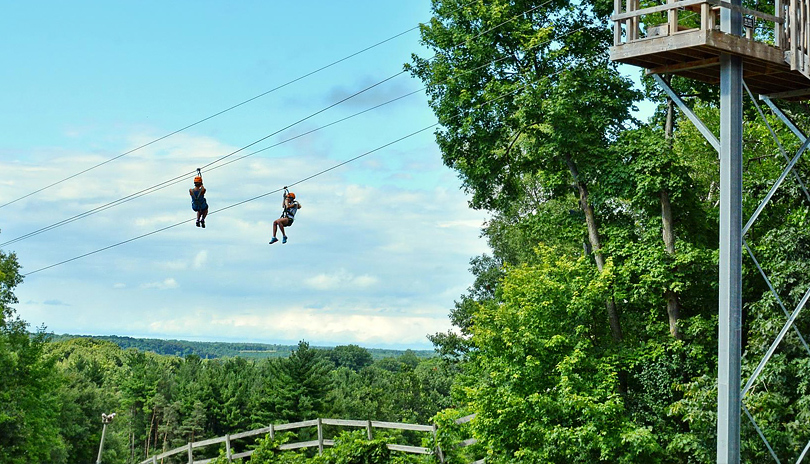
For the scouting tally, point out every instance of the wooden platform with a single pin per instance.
(696, 54)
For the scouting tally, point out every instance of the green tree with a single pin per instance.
(301, 383)
(351, 356)
(29, 403)
(528, 104)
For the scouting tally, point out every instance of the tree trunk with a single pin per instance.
(673, 307)
(668, 234)
(593, 237)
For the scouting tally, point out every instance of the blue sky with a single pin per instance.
(380, 249)
(381, 246)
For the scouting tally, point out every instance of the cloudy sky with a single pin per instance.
(380, 249)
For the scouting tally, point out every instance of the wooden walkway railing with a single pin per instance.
(228, 440)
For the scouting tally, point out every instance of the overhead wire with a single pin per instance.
(310, 177)
(292, 81)
(184, 175)
(179, 178)
(182, 178)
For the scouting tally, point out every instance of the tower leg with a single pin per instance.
(730, 302)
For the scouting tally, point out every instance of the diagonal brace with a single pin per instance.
(708, 134)
(804, 453)
(776, 139)
(775, 295)
(779, 181)
(785, 118)
(760, 433)
(776, 343)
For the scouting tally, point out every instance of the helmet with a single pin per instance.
(198, 179)
(291, 195)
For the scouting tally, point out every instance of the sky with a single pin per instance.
(380, 248)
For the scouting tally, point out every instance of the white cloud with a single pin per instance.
(402, 236)
(340, 279)
(320, 326)
(166, 284)
(200, 259)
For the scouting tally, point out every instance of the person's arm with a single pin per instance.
(203, 189)
(191, 192)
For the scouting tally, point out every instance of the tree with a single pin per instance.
(301, 383)
(351, 356)
(528, 104)
(29, 406)
(546, 392)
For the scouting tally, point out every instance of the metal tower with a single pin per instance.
(719, 55)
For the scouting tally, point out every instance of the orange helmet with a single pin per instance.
(291, 195)
(198, 179)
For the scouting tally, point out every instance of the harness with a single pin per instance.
(287, 211)
(290, 211)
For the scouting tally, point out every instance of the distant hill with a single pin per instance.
(212, 350)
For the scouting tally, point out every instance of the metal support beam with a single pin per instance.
(708, 134)
(775, 295)
(776, 342)
(776, 140)
(775, 186)
(785, 119)
(730, 301)
(761, 434)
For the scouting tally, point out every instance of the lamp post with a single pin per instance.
(105, 419)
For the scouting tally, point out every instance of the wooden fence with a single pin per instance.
(228, 440)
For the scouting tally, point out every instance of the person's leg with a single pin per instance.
(198, 219)
(281, 223)
(204, 214)
(275, 226)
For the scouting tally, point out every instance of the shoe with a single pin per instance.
(202, 224)
(284, 240)
(273, 240)
(198, 223)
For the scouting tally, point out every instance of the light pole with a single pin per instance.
(105, 419)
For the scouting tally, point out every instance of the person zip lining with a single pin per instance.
(198, 202)
(287, 216)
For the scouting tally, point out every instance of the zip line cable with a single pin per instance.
(322, 68)
(292, 81)
(181, 177)
(233, 205)
(312, 176)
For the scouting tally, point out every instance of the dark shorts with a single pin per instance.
(201, 206)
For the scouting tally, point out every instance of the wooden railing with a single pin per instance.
(469, 441)
(321, 442)
(627, 20)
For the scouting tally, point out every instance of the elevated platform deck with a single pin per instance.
(694, 52)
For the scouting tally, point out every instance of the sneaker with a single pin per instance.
(202, 224)
(198, 223)
(284, 240)
(273, 240)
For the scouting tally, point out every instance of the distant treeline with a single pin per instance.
(212, 350)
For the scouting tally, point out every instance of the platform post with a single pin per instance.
(730, 301)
